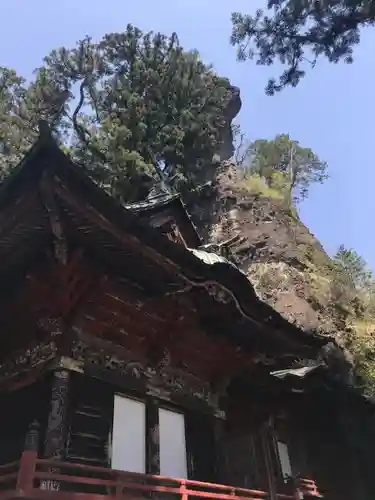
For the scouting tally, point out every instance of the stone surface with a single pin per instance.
(226, 150)
(284, 261)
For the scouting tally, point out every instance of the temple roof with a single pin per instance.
(211, 258)
(172, 207)
(124, 240)
(150, 203)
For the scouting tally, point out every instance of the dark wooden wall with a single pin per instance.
(201, 447)
(243, 459)
(18, 410)
(90, 419)
(325, 445)
(327, 442)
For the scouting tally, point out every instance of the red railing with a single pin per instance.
(309, 488)
(39, 479)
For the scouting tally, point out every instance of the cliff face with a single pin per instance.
(285, 262)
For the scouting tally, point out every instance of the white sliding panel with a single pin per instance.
(172, 444)
(128, 435)
(286, 467)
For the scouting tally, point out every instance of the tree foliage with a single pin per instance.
(297, 33)
(133, 106)
(350, 264)
(21, 105)
(356, 282)
(296, 167)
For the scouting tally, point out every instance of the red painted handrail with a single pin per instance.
(35, 478)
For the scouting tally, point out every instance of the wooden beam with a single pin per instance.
(152, 436)
(59, 239)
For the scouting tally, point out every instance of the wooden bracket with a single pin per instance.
(49, 201)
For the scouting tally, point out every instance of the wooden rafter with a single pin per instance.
(90, 213)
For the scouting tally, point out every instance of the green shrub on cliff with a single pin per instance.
(283, 160)
(255, 184)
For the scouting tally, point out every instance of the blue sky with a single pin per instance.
(331, 111)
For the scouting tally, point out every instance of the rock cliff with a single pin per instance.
(285, 262)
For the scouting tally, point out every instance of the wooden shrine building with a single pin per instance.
(134, 363)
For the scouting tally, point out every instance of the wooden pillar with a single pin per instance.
(350, 457)
(27, 463)
(56, 432)
(218, 432)
(152, 437)
(55, 439)
(271, 476)
(32, 437)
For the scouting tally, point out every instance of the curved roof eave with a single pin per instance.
(198, 266)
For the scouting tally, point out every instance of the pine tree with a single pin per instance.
(146, 108)
(297, 34)
(22, 104)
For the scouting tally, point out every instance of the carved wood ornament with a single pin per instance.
(163, 381)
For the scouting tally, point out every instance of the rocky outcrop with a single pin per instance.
(233, 108)
(285, 262)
